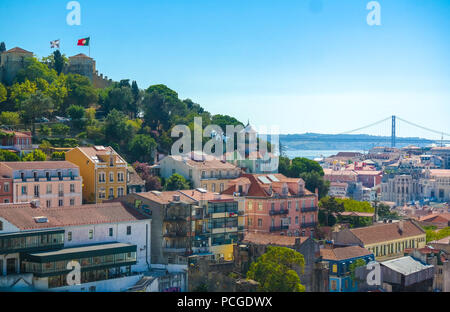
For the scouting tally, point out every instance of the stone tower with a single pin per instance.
(83, 65)
(11, 62)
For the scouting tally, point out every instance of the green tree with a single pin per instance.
(36, 155)
(353, 266)
(35, 106)
(19, 92)
(142, 147)
(80, 92)
(59, 60)
(120, 99)
(283, 165)
(77, 113)
(33, 70)
(8, 156)
(9, 118)
(176, 182)
(301, 165)
(117, 129)
(330, 206)
(276, 270)
(314, 180)
(60, 129)
(3, 93)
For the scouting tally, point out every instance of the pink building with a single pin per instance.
(16, 141)
(276, 204)
(48, 183)
(5, 190)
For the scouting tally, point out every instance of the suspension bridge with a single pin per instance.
(389, 126)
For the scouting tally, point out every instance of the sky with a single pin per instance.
(297, 65)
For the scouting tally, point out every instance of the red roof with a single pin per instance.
(344, 253)
(22, 215)
(18, 50)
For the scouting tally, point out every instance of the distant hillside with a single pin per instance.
(317, 141)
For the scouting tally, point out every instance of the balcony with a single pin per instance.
(175, 218)
(175, 234)
(309, 225)
(278, 212)
(279, 228)
(309, 209)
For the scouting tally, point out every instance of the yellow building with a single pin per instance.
(385, 240)
(103, 170)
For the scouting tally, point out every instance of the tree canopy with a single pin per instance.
(276, 270)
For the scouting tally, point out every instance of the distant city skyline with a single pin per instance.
(304, 66)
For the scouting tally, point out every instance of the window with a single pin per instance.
(91, 234)
(49, 188)
(111, 232)
(250, 205)
(203, 174)
(69, 236)
(60, 175)
(102, 193)
(72, 188)
(24, 190)
(289, 220)
(60, 202)
(129, 230)
(6, 187)
(296, 220)
(120, 191)
(260, 222)
(111, 192)
(289, 205)
(1, 229)
(111, 177)
(101, 177)
(60, 189)
(72, 202)
(6, 200)
(35, 175)
(213, 187)
(250, 221)
(221, 187)
(297, 206)
(111, 161)
(260, 206)
(36, 191)
(49, 203)
(120, 176)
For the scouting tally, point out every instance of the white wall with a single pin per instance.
(139, 231)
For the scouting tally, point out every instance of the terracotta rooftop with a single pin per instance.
(272, 239)
(81, 55)
(17, 50)
(36, 165)
(22, 215)
(344, 253)
(210, 196)
(436, 217)
(18, 133)
(135, 179)
(356, 214)
(166, 197)
(387, 231)
(206, 163)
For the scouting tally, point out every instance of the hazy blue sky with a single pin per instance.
(304, 65)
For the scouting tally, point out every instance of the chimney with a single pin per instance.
(400, 226)
(176, 198)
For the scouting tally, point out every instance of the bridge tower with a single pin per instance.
(393, 132)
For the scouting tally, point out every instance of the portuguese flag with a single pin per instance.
(84, 42)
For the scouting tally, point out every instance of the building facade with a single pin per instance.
(276, 204)
(103, 170)
(109, 243)
(47, 183)
(207, 172)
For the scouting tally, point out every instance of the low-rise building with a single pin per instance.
(48, 183)
(109, 243)
(255, 245)
(6, 189)
(406, 274)
(135, 184)
(204, 171)
(276, 204)
(384, 240)
(339, 262)
(103, 170)
(16, 141)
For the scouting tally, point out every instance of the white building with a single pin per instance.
(110, 242)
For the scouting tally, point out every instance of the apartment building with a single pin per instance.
(48, 183)
(189, 223)
(109, 242)
(103, 170)
(276, 204)
(385, 240)
(205, 172)
(6, 189)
